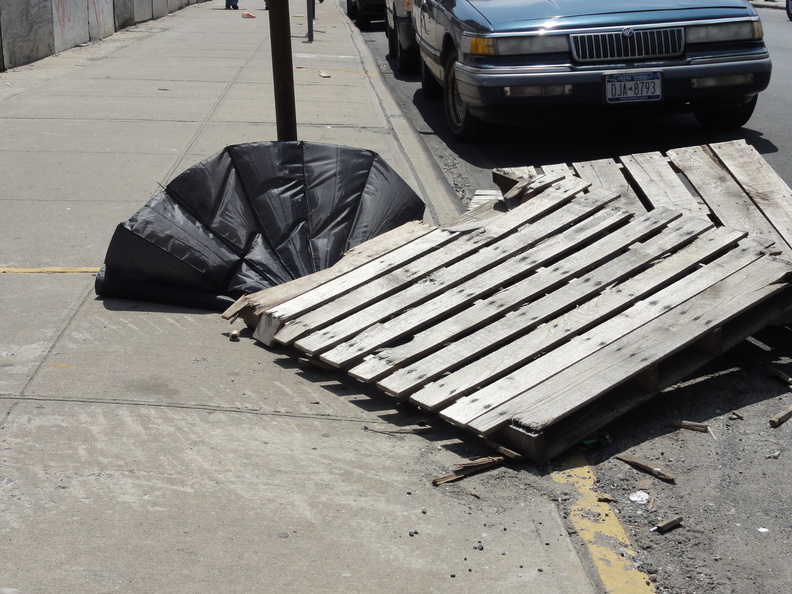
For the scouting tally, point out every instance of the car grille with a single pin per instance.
(628, 44)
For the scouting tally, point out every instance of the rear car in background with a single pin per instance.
(365, 11)
(402, 46)
(510, 60)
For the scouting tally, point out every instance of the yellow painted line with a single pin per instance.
(49, 270)
(604, 536)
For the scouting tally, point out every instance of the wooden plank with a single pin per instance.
(506, 177)
(660, 183)
(501, 401)
(496, 275)
(372, 305)
(586, 380)
(493, 311)
(364, 293)
(274, 318)
(561, 327)
(606, 173)
(562, 168)
(765, 187)
(723, 195)
(257, 303)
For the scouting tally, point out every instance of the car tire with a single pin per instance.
(429, 85)
(464, 126)
(727, 119)
(406, 61)
(789, 9)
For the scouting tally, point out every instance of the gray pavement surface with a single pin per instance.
(140, 449)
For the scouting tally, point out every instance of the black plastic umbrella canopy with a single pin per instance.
(250, 217)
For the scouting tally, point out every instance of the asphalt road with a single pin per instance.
(469, 166)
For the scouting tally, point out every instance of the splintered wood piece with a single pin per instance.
(615, 351)
(507, 177)
(781, 418)
(660, 183)
(724, 196)
(607, 173)
(521, 263)
(529, 186)
(647, 466)
(691, 426)
(781, 375)
(667, 525)
(462, 470)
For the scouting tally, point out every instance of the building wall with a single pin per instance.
(34, 29)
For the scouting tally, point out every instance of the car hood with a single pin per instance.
(512, 15)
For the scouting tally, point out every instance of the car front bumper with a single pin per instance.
(503, 93)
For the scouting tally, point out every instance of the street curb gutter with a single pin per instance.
(442, 202)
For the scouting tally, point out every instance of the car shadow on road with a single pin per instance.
(569, 138)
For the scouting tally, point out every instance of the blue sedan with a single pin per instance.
(506, 60)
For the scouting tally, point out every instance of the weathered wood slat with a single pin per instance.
(606, 173)
(723, 194)
(508, 326)
(447, 302)
(390, 360)
(562, 168)
(765, 187)
(586, 380)
(448, 277)
(661, 185)
(364, 294)
(497, 402)
(560, 327)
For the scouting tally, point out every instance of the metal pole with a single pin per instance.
(282, 69)
(311, 8)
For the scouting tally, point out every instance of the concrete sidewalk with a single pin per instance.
(142, 451)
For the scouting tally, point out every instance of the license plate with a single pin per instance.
(641, 86)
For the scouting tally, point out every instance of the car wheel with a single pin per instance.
(789, 9)
(464, 126)
(727, 119)
(352, 10)
(406, 61)
(429, 85)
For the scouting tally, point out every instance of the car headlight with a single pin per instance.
(739, 31)
(515, 45)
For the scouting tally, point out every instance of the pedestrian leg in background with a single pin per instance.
(232, 4)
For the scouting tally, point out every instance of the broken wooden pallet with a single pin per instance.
(729, 182)
(538, 325)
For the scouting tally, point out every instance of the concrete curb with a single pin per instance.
(444, 204)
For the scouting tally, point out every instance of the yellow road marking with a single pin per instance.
(604, 536)
(49, 270)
